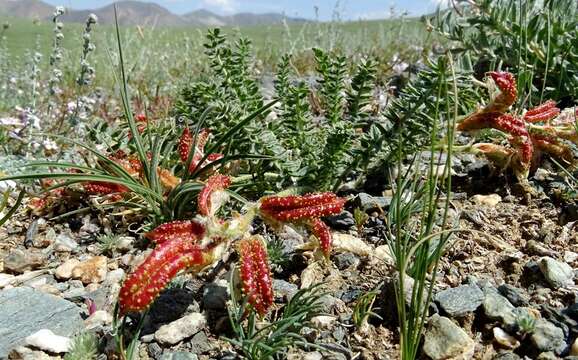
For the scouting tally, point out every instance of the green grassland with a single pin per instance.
(168, 54)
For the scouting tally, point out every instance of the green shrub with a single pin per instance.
(534, 39)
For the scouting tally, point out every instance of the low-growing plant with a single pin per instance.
(525, 323)
(360, 218)
(534, 39)
(319, 135)
(363, 309)
(196, 244)
(540, 130)
(84, 347)
(256, 340)
(108, 243)
(415, 242)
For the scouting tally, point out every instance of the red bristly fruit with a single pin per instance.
(103, 188)
(542, 113)
(321, 231)
(176, 229)
(185, 145)
(178, 251)
(332, 207)
(206, 202)
(279, 203)
(506, 82)
(486, 117)
(307, 209)
(255, 274)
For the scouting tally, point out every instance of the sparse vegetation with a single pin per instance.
(341, 177)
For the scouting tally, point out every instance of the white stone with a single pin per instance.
(180, 329)
(5, 279)
(505, 339)
(323, 322)
(383, 253)
(64, 271)
(46, 340)
(487, 200)
(98, 318)
(115, 276)
(351, 244)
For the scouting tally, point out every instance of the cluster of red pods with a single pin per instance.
(523, 138)
(196, 244)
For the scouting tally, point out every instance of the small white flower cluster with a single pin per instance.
(56, 56)
(87, 72)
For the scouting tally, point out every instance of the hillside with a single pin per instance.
(132, 12)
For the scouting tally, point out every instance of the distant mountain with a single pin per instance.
(132, 12)
(34, 9)
(129, 13)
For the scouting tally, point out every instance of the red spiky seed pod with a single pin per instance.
(545, 112)
(186, 142)
(208, 202)
(506, 82)
(176, 229)
(256, 280)
(552, 145)
(278, 203)
(477, 121)
(323, 234)
(144, 284)
(524, 150)
(511, 125)
(332, 207)
(103, 188)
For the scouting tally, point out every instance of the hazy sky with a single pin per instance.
(350, 9)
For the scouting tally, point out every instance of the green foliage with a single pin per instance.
(413, 114)
(363, 309)
(526, 323)
(534, 39)
(84, 347)
(361, 93)
(307, 150)
(417, 222)
(108, 243)
(360, 218)
(264, 341)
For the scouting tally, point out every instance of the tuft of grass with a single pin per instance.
(416, 208)
(258, 339)
(108, 243)
(84, 347)
(363, 309)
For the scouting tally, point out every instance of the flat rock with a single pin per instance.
(548, 337)
(6, 279)
(19, 261)
(558, 274)
(497, 307)
(64, 270)
(461, 300)
(284, 290)
(98, 318)
(514, 295)
(65, 243)
(178, 355)
(180, 329)
(25, 311)
(342, 221)
(445, 340)
(48, 341)
(369, 203)
(215, 295)
(487, 200)
(91, 271)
